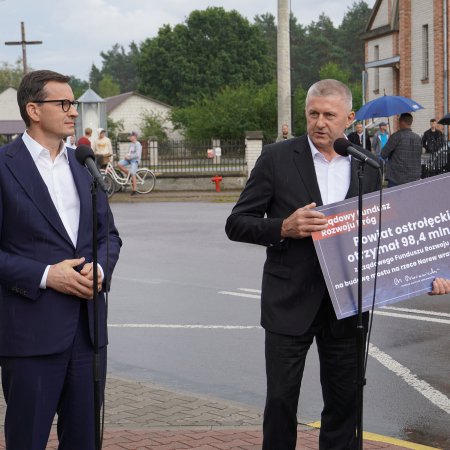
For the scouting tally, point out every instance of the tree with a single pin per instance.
(212, 49)
(10, 76)
(114, 127)
(268, 28)
(230, 113)
(152, 125)
(78, 86)
(349, 38)
(95, 76)
(122, 66)
(107, 87)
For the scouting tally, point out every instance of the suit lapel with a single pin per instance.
(24, 170)
(305, 166)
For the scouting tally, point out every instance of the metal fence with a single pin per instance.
(436, 162)
(195, 157)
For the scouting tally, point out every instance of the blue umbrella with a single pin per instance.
(387, 105)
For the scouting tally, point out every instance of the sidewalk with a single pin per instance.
(177, 196)
(142, 416)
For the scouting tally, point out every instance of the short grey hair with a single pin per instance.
(330, 87)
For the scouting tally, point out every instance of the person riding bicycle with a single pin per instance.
(132, 159)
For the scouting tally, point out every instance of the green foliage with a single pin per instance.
(299, 116)
(78, 86)
(219, 69)
(122, 66)
(212, 49)
(230, 113)
(114, 127)
(332, 70)
(349, 38)
(152, 125)
(266, 106)
(10, 76)
(95, 77)
(107, 87)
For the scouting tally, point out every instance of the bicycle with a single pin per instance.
(116, 180)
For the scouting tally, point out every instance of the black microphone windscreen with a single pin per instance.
(82, 152)
(340, 146)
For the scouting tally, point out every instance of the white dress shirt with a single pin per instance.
(60, 184)
(333, 176)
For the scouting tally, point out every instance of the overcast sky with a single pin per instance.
(75, 32)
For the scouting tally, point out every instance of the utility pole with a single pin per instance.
(24, 44)
(284, 66)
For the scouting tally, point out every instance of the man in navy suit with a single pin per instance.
(46, 273)
(277, 209)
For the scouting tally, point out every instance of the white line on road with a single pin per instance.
(416, 311)
(176, 326)
(411, 317)
(434, 396)
(239, 294)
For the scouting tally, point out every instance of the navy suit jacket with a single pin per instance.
(293, 288)
(36, 321)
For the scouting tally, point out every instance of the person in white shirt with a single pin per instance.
(47, 275)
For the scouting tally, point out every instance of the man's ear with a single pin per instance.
(33, 111)
(350, 118)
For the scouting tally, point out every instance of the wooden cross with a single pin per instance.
(24, 44)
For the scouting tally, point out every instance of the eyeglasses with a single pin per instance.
(65, 104)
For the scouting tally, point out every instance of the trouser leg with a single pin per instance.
(338, 373)
(285, 361)
(32, 387)
(76, 409)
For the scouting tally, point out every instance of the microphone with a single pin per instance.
(344, 147)
(85, 156)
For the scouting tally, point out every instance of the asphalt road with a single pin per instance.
(184, 313)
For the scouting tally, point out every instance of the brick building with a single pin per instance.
(406, 53)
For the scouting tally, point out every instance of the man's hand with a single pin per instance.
(88, 272)
(303, 222)
(62, 277)
(441, 286)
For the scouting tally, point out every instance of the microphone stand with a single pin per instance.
(96, 361)
(360, 381)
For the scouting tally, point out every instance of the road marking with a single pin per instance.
(411, 317)
(385, 439)
(433, 395)
(378, 312)
(239, 294)
(256, 291)
(417, 311)
(176, 326)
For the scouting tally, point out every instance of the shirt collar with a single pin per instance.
(315, 152)
(36, 149)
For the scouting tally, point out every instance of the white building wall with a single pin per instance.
(386, 77)
(422, 91)
(382, 17)
(132, 109)
(9, 109)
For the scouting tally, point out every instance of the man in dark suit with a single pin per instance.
(277, 209)
(357, 137)
(46, 273)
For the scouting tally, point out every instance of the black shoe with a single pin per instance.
(133, 193)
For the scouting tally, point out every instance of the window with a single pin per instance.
(425, 53)
(376, 54)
